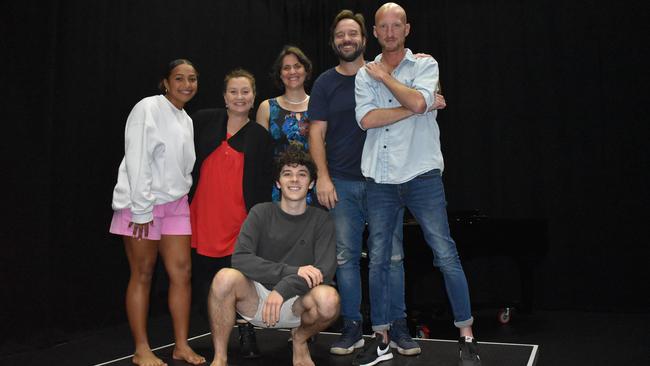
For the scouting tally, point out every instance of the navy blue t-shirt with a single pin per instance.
(332, 100)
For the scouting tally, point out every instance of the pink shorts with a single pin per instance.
(172, 218)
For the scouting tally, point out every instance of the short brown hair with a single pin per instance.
(239, 73)
(347, 14)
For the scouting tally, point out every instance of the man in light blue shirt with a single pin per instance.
(336, 144)
(403, 163)
(402, 141)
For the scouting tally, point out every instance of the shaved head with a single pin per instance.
(391, 28)
(390, 8)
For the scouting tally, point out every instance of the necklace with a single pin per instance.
(292, 102)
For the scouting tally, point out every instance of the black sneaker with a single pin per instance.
(468, 353)
(374, 352)
(248, 341)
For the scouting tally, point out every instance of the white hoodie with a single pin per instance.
(158, 158)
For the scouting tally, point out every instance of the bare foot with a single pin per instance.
(301, 356)
(219, 361)
(188, 355)
(147, 358)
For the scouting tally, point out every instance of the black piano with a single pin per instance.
(499, 256)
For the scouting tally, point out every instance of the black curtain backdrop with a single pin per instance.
(547, 118)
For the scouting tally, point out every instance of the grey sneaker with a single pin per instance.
(468, 353)
(351, 338)
(400, 338)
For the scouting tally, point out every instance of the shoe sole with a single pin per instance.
(406, 351)
(379, 359)
(346, 351)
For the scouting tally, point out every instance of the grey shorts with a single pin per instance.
(287, 318)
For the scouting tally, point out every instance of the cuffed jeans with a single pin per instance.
(424, 196)
(350, 216)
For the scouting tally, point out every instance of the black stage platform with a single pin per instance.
(274, 346)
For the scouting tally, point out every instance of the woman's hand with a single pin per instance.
(140, 231)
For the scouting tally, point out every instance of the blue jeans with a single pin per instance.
(424, 196)
(350, 215)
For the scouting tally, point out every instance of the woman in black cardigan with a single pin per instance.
(232, 173)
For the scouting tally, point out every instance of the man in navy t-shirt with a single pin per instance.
(336, 144)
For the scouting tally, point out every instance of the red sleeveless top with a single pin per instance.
(218, 210)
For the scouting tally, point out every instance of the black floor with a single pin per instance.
(563, 338)
(274, 347)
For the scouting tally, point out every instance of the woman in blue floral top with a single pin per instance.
(286, 116)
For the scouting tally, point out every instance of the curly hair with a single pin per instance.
(292, 156)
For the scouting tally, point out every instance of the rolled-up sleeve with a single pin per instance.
(426, 79)
(364, 94)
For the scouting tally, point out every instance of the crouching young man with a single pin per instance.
(283, 263)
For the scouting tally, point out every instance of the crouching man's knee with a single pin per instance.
(327, 301)
(225, 281)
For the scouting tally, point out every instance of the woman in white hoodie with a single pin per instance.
(150, 206)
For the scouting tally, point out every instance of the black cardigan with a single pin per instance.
(210, 127)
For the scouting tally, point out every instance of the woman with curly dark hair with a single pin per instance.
(286, 116)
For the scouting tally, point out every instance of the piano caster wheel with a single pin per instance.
(422, 331)
(504, 315)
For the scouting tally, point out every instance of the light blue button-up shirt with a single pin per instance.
(401, 151)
